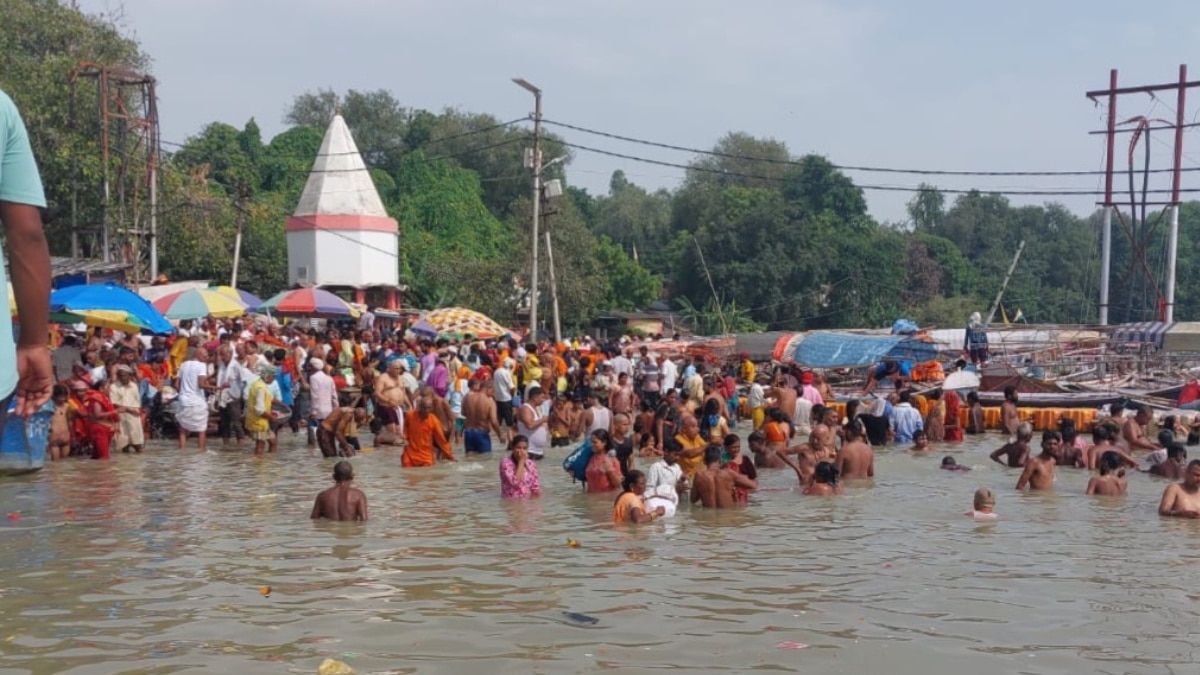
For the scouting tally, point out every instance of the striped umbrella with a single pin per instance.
(198, 303)
(312, 302)
(461, 321)
(250, 300)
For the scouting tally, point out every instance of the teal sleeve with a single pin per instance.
(19, 179)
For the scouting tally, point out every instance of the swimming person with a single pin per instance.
(1039, 470)
(629, 507)
(341, 502)
(1182, 500)
(1111, 480)
(949, 464)
(985, 503)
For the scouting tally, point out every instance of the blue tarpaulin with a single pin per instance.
(843, 350)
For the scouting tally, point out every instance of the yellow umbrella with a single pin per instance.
(114, 319)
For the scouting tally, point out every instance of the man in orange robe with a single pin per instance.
(423, 432)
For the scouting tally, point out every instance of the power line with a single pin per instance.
(840, 167)
(884, 188)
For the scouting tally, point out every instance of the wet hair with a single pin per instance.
(949, 461)
(852, 408)
(1110, 461)
(826, 472)
(1051, 435)
(1193, 464)
(343, 471)
(1166, 436)
(920, 433)
(512, 442)
(775, 414)
(817, 412)
(602, 435)
(1101, 432)
(731, 440)
(757, 436)
(984, 497)
(1068, 434)
(60, 390)
(1175, 451)
(631, 479)
(712, 453)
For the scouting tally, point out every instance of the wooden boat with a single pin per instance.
(23, 445)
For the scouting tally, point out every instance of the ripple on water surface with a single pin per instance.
(179, 562)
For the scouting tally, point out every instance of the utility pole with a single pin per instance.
(1167, 294)
(536, 167)
(1003, 286)
(553, 291)
(243, 196)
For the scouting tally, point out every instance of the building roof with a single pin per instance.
(67, 267)
(339, 183)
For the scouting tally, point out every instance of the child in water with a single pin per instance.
(920, 442)
(1111, 480)
(985, 502)
(60, 425)
(825, 481)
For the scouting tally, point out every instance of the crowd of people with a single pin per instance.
(654, 430)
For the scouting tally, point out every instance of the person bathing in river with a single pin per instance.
(1182, 500)
(975, 423)
(985, 504)
(855, 460)
(825, 481)
(716, 487)
(764, 456)
(1173, 466)
(1010, 419)
(1039, 470)
(630, 507)
(1111, 480)
(1101, 443)
(1015, 452)
(920, 443)
(342, 501)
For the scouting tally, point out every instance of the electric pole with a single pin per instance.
(535, 164)
(1166, 296)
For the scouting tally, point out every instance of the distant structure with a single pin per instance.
(340, 238)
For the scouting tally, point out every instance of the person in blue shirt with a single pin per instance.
(906, 420)
(26, 372)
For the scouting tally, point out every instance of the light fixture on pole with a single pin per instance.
(536, 168)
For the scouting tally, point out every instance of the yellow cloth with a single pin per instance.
(179, 350)
(254, 421)
(748, 371)
(690, 465)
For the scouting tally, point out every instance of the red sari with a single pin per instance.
(953, 424)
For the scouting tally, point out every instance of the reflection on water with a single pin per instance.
(155, 563)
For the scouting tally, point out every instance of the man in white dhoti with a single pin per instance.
(191, 412)
(127, 400)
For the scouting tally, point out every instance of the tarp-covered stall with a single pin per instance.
(844, 350)
(1183, 337)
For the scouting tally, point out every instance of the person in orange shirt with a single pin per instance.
(423, 432)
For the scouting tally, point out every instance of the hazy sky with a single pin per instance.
(912, 84)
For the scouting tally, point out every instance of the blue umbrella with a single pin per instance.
(424, 329)
(112, 298)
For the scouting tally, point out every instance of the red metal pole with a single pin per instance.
(1112, 136)
(1179, 107)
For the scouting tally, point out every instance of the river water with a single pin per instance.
(157, 564)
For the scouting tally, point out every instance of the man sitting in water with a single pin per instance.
(341, 502)
(1039, 471)
(715, 487)
(1016, 451)
(1182, 500)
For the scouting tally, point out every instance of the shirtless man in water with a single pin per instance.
(391, 397)
(1133, 432)
(480, 420)
(764, 457)
(1010, 419)
(715, 487)
(821, 441)
(1015, 452)
(1182, 500)
(855, 460)
(1102, 440)
(341, 502)
(1039, 471)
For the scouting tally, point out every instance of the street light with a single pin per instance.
(537, 192)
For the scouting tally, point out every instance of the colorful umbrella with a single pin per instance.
(308, 302)
(198, 303)
(109, 298)
(250, 300)
(101, 318)
(460, 321)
